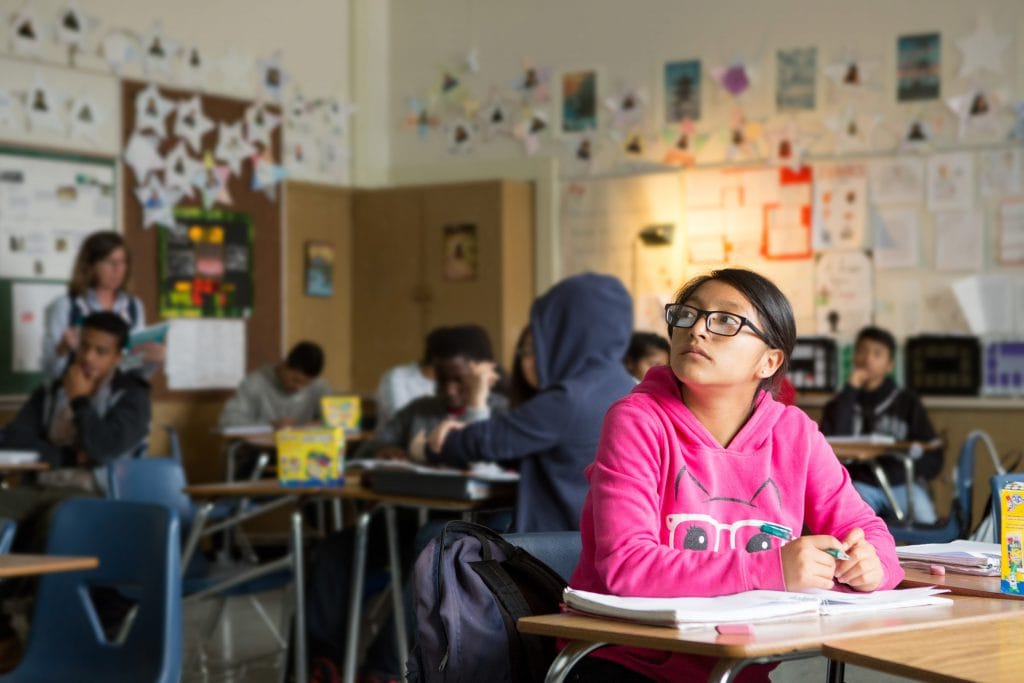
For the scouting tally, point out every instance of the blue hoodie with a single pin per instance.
(581, 328)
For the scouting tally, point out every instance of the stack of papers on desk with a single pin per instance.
(962, 557)
(746, 607)
(17, 457)
(480, 481)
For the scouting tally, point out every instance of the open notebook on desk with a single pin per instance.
(963, 557)
(749, 606)
(480, 481)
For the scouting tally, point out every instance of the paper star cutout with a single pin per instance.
(232, 147)
(495, 118)
(158, 52)
(421, 118)
(333, 158)
(236, 72)
(634, 144)
(529, 129)
(534, 84)
(735, 79)
(266, 174)
(298, 114)
(742, 137)
(157, 202)
(142, 154)
(260, 124)
(336, 115)
(151, 110)
(8, 104)
(191, 124)
(1017, 131)
(180, 170)
(982, 49)
(852, 130)
(460, 135)
(684, 143)
(194, 68)
(119, 50)
(86, 118)
(212, 181)
(976, 110)
(852, 73)
(298, 157)
(628, 108)
(584, 151)
(43, 105)
(73, 27)
(788, 146)
(917, 136)
(27, 32)
(472, 60)
(272, 77)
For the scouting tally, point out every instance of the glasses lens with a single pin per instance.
(680, 315)
(724, 324)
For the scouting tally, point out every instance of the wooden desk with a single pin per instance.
(17, 564)
(958, 584)
(771, 641)
(990, 651)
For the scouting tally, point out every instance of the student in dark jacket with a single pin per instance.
(871, 403)
(579, 332)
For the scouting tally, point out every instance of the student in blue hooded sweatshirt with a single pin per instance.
(578, 333)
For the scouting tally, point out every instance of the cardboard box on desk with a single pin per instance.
(310, 456)
(342, 411)
(1011, 537)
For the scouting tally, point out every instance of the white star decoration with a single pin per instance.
(157, 203)
(982, 49)
(158, 52)
(976, 110)
(190, 122)
(336, 115)
(42, 104)
(272, 77)
(266, 174)
(119, 49)
(142, 155)
(851, 73)
(298, 114)
(529, 129)
(460, 134)
(27, 31)
(232, 147)
(86, 118)
(73, 27)
(212, 181)
(8, 104)
(151, 110)
(260, 124)
(853, 131)
(236, 72)
(194, 68)
(628, 107)
(180, 170)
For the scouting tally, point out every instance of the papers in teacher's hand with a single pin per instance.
(17, 457)
(748, 606)
(154, 333)
(963, 557)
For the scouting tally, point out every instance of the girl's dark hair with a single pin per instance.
(775, 315)
(519, 390)
(95, 248)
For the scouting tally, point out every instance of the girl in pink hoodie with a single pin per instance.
(698, 457)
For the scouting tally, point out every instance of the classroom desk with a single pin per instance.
(992, 651)
(271, 489)
(958, 584)
(18, 564)
(779, 640)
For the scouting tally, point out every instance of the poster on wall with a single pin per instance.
(319, 269)
(579, 101)
(840, 206)
(844, 292)
(796, 78)
(460, 252)
(205, 265)
(28, 311)
(919, 72)
(681, 85)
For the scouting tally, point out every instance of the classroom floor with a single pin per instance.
(244, 639)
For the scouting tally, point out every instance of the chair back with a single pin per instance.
(138, 548)
(7, 528)
(559, 550)
(151, 480)
(174, 444)
(996, 483)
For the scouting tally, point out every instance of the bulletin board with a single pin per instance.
(263, 325)
(49, 202)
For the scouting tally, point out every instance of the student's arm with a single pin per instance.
(243, 407)
(57, 314)
(837, 417)
(385, 397)
(27, 431)
(395, 433)
(533, 427)
(121, 428)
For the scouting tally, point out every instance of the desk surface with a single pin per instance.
(866, 450)
(958, 584)
(16, 564)
(263, 488)
(777, 637)
(265, 439)
(993, 651)
(13, 468)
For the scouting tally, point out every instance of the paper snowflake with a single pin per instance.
(191, 123)
(151, 110)
(85, 117)
(982, 49)
(142, 155)
(232, 147)
(260, 124)
(181, 169)
(157, 203)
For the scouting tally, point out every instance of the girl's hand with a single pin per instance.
(805, 564)
(152, 352)
(863, 571)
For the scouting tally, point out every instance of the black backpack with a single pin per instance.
(470, 588)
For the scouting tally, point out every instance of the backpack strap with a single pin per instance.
(522, 651)
(133, 311)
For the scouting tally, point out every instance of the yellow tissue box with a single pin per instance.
(310, 456)
(342, 411)
(1011, 536)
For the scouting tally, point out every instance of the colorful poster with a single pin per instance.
(319, 269)
(579, 101)
(460, 252)
(840, 206)
(682, 91)
(919, 73)
(28, 311)
(796, 79)
(206, 265)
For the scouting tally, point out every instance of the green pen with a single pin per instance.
(786, 534)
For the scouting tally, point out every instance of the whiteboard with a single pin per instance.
(48, 205)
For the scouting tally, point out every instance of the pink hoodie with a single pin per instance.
(670, 512)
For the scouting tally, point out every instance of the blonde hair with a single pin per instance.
(95, 248)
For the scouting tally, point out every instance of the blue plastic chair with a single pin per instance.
(958, 523)
(996, 483)
(138, 548)
(7, 528)
(559, 550)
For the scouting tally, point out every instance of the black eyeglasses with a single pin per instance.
(722, 323)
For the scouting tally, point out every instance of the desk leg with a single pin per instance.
(908, 467)
(396, 585)
(883, 481)
(298, 574)
(568, 658)
(356, 599)
(836, 671)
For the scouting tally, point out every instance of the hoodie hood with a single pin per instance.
(582, 322)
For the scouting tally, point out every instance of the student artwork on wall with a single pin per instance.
(579, 101)
(461, 256)
(319, 269)
(844, 292)
(205, 265)
(681, 83)
(919, 74)
(796, 79)
(840, 206)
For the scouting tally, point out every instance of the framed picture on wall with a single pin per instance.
(579, 101)
(919, 72)
(681, 90)
(319, 269)
(460, 252)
